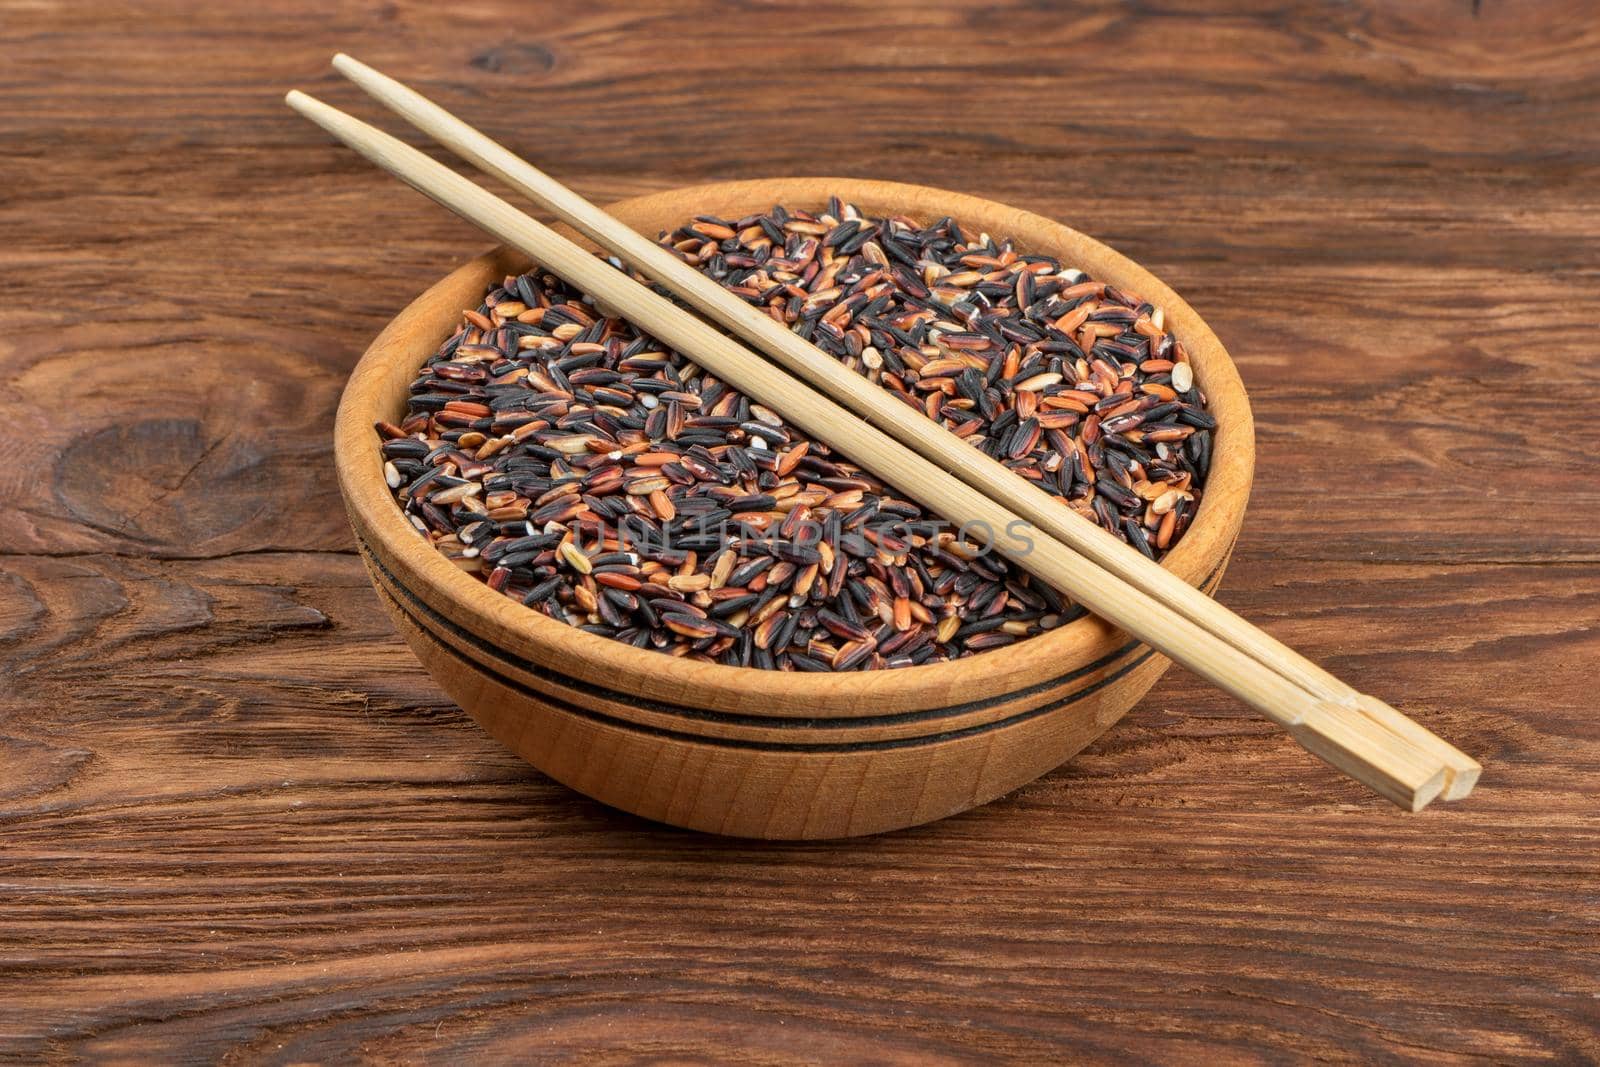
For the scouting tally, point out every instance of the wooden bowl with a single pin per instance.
(744, 751)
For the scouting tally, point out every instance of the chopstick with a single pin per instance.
(1339, 734)
(867, 400)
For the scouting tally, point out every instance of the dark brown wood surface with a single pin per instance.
(237, 820)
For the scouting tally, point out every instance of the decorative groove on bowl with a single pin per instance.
(710, 784)
(1140, 654)
(823, 733)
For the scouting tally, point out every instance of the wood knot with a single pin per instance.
(515, 59)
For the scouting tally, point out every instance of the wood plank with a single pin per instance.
(234, 757)
(238, 819)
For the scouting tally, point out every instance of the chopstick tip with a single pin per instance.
(356, 71)
(310, 107)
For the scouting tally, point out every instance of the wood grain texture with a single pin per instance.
(236, 821)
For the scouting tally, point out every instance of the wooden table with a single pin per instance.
(237, 819)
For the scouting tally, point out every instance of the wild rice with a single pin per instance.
(577, 466)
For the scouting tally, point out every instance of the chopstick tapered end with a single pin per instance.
(366, 77)
(329, 118)
(309, 106)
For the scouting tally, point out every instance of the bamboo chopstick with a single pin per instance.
(1339, 734)
(935, 443)
(932, 441)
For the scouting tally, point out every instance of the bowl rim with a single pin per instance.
(376, 388)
